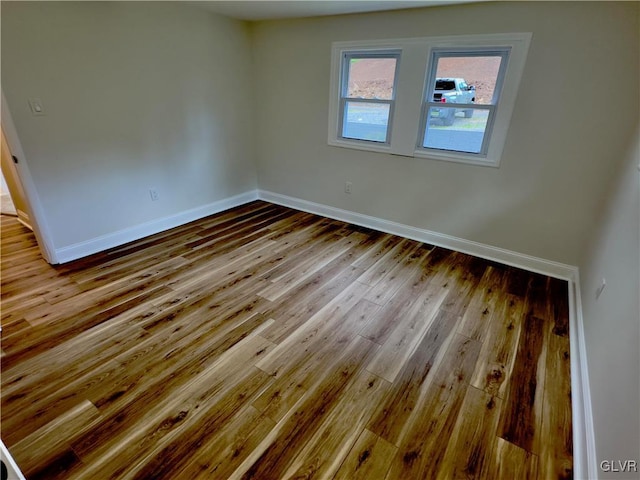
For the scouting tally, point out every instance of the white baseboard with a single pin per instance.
(12, 468)
(585, 460)
(508, 257)
(104, 242)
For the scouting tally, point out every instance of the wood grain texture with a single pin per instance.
(370, 457)
(522, 412)
(469, 450)
(268, 343)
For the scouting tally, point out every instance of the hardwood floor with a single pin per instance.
(269, 343)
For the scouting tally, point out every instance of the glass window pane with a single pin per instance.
(366, 121)
(371, 78)
(460, 130)
(466, 79)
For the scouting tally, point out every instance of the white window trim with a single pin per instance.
(427, 101)
(415, 56)
(337, 54)
(344, 99)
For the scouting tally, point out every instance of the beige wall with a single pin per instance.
(612, 321)
(138, 95)
(565, 126)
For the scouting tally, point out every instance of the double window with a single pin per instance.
(446, 98)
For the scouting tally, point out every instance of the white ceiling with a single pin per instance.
(272, 9)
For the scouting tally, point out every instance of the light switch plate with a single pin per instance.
(36, 106)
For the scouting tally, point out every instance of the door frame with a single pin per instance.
(34, 205)
(14, 186)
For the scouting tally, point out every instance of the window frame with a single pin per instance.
(347, 56)
(436, 54)
(405, 130)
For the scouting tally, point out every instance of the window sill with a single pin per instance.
(361, 145)
(427, 154)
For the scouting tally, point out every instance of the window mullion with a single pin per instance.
(487, 133)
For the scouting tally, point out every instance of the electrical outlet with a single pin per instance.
(347, 187)
(153, 193)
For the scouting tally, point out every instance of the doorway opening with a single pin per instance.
(13, 198)
(7, 206)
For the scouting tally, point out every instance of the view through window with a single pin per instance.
(460, 100)
(368, 93)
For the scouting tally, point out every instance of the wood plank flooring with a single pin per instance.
(268, 343)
